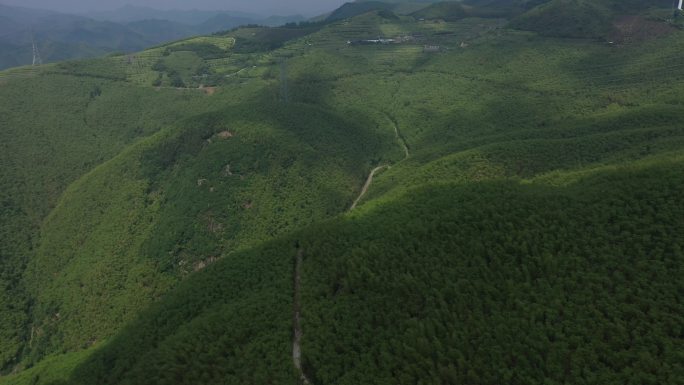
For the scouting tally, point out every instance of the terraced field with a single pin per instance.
(222, 42)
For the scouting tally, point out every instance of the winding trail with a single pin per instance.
(369, 181)
(297, 332)
(238, 72)
(367, 185)
(400, 139)
(297, 318)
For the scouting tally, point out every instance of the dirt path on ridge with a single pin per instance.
(367, 185)
(297, 318)
(401, 140)
(369, 181)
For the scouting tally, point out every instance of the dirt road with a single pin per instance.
(377, 169)
(401, 140)
(366, 186)
(297, 326)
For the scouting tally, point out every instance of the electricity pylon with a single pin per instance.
(36, 53)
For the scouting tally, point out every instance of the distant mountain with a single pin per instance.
(349, 10)
(274, 21)
(447, 11)
(15, 59)
(456, 10)
(358, 7)
(22, 15)
(61, 36)
(581, 18)
(203, 21)
(222, 21)
(13, 19)
(162, 30)
(130, 13)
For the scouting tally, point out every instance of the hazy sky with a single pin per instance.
(308, 7)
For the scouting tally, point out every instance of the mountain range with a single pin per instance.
(479, 192)
(61, 36)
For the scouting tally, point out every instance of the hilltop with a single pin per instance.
(586, 19)
(443, 194)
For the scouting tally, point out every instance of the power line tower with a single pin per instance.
(36, 54)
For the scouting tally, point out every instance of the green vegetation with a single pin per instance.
(262, 39)
(161, 219)
(251, 291)
(53, 132)
(424, 284)
(524, 225)
(503, 283)
(60, 36)
(565, 18)
(450, 11)
(349, 10)
(580, 18)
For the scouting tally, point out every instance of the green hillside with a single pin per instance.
(60, 36)
(182, 215)
(54, 132)
(580, 18)
(394, 281)
(349, 10)
(456, 10)
(450, 11)
(359, 7)
(568, 18)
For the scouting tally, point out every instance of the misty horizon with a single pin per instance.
(260, 7)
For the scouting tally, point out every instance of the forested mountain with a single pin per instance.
(478, 192)
(584, 19)
(61, 37)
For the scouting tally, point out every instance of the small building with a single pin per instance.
(371, 41)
